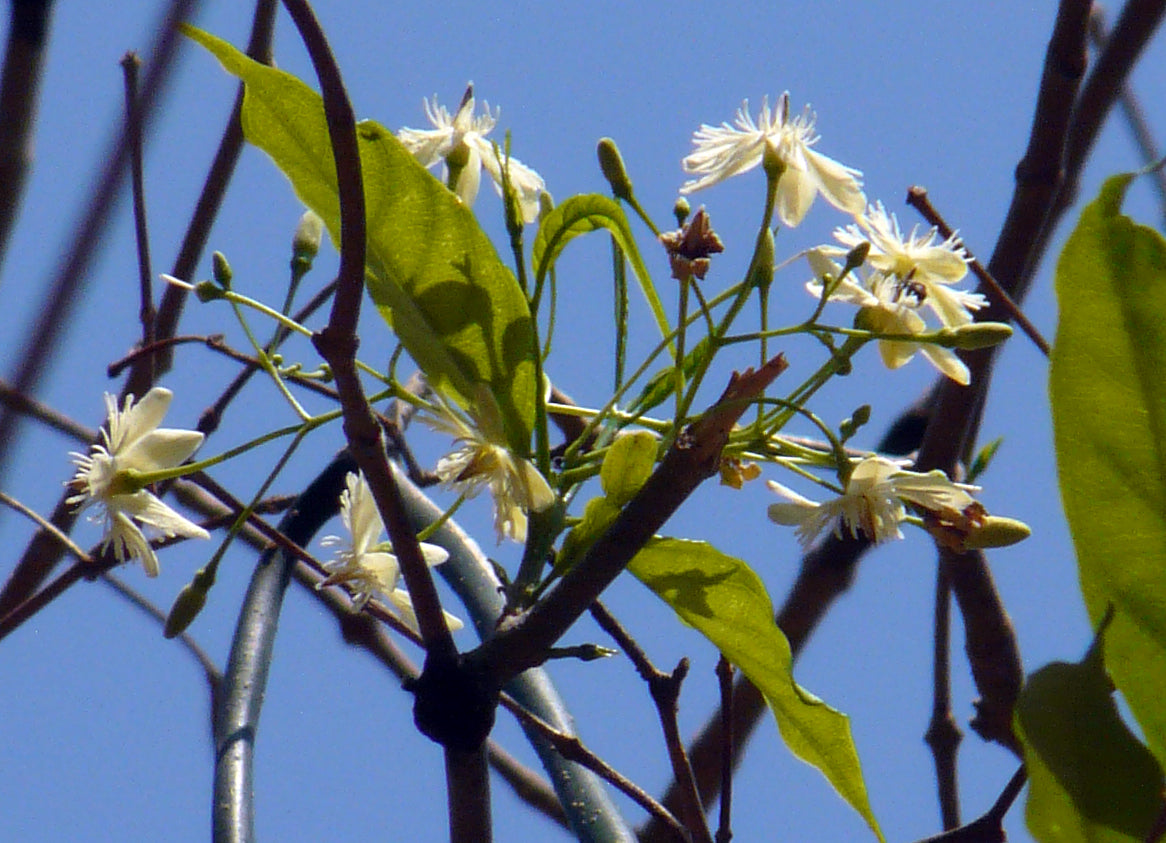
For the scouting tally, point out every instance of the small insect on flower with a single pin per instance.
(875, 503)
(132, 441)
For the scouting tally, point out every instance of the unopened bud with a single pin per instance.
(188, 604)
(221, 270)
(208, 291)
(681, 210)
(306, 240)
(996, 531)
(856, 257)
(973, 336)
(612, 166)
(764, 258)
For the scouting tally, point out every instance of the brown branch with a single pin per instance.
(130, 64)
(42, 553)
(522, 642)
(918, 199)
(990, 827)
(19, 92)
(943, 733)
(571, 748)
(725, 682)
(665, 691)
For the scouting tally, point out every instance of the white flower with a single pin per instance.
(874, 503)
(916, 258)
(484, 460)
(889, 306)
(366, 564)
(724, 151)
(464, 136)
(132, 441)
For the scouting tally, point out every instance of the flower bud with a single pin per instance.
(996, 531)
(221, 270)
(208, 291)
(306, 240)
(612, 166)
(764, 258)
(188, 604)
(973, 336)
(681, 210)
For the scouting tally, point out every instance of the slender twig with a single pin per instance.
(44, 414)
(571, 748)
(665, 692)
(725, 682)
(918, 199)
(943, 734)
(61, 296)
(990, 827)
(43, 553)
(19, 92)
(130, 64)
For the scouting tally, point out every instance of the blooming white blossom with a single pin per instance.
(874, 503)
(133, 441)
(366, 564)
(889, 306)
(916, 258)
(484, 460)
(724, 151)
(462, 136)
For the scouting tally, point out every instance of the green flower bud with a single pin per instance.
(208, 291)
(221, 270)
(973, 336)
(612, 166)
(997, 531)
(764, 259)
(188, 604)
(681, 210)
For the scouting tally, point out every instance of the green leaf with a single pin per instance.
(583, 214)
(599, 514)
(1109, 419)
(728, 604)
(628, 465)
(432, 272)
(1089, 777)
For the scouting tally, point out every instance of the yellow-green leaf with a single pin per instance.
(722, 598)
(583, 214)
(431, 270)
(628, 465)
(1090, 780)
(1109, 416)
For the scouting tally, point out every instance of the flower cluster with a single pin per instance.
(459, 143)
(367, 565)
(132, 441)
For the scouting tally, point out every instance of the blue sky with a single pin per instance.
(105, 724)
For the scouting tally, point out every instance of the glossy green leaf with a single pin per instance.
(432, 272)
(599, 514)
(728, 604)
(583, 214)
(628, 465)
(1109, 417)
(1089, 777)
